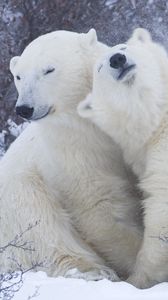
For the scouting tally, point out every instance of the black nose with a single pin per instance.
(24, 111)
(117, 61)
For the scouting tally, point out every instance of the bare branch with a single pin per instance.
(17, 242)
(11, 282)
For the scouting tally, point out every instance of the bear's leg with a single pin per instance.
(26, 201)
(152, 261)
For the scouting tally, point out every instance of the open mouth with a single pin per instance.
(125, 71)
(35, 118)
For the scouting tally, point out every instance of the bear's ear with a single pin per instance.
(90, 37)
(141, 35)
(13, 62)
(84, 108)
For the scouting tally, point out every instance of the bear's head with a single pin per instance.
(130, 90)
(54, 72)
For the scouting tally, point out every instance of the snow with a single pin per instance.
(9, 16)
(15, 129)
(110, 3)
(2, 142)
(150, 2)
(39, 286)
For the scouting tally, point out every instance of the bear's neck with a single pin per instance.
(137, 142)
(137, 114)
(132, 129)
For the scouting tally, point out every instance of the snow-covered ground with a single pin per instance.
(39, 286)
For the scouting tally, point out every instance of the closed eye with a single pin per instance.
(50, 70)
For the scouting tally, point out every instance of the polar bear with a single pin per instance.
(129, 101)
(63, 172)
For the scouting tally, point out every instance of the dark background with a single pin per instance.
(23, 20)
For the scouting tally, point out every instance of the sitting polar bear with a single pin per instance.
(63, 171)
(130, 102)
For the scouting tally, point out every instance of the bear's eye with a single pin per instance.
(18, 77)
(49, 70)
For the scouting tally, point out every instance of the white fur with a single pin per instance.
(63, 171)
(133, 111)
